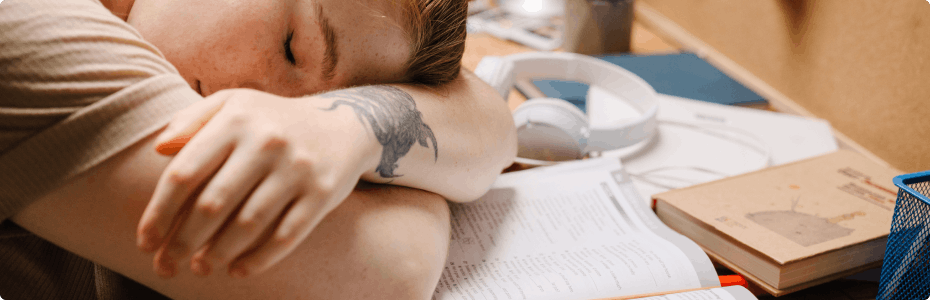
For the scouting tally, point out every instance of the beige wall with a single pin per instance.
(862, 65)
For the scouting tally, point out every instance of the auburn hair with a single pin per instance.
(436, 29)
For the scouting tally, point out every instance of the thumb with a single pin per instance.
(185, 124)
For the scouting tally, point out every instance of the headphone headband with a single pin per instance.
(502, 72)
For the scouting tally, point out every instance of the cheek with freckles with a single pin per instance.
(215, 44)
(239, 62)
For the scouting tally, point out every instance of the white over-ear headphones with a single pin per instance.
(551, 130)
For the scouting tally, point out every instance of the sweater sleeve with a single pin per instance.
(77, 85)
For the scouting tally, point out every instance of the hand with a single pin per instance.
(256, 174)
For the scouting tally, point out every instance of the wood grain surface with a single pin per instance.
(862, 65)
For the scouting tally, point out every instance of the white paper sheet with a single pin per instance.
(566, 232)
(680, 148)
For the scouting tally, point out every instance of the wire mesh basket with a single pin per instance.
(906, 268)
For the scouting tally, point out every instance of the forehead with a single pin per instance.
(371, 41)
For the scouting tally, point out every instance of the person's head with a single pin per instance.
(437, 31)
(299, 47)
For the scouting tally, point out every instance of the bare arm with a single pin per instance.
(452, 140)
(295, 160)
(386, 242)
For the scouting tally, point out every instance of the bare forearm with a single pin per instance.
(452, 140)
(385, 241)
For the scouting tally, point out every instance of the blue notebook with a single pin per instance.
(680, 74)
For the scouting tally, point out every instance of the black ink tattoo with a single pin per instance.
(394, 118)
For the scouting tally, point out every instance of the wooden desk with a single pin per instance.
(645, 42)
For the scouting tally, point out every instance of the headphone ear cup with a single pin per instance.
(550, 129)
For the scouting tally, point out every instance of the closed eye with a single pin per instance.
(287, 49)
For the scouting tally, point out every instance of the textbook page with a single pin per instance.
(724, 293)
(572, 231)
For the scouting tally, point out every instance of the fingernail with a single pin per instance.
(238, 272)
(200, 267)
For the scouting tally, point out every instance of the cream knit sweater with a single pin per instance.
(77, 85)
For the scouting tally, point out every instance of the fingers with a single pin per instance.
(263, 208)
(183, 174)
(246, 217)
(317, 196)
(185, 124)
(296, 224)
(222, 196)
(159, 255)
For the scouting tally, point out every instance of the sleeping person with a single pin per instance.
(275, 110)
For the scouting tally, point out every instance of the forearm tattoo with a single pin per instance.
(393, 117)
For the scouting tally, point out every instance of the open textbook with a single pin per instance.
(573, 231)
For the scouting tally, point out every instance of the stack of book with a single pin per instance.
(793, 226)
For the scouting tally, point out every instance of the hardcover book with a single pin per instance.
(792, 226)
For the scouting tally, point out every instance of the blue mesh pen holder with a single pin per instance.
(906, 268)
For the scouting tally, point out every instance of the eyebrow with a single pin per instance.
(330, 56)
